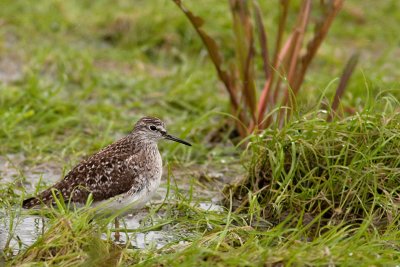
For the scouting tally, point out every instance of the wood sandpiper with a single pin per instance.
(123, 175)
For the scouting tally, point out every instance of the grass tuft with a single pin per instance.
(72, 239)
(343, 172)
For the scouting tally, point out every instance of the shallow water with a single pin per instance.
(13, 170)
(26, 229)
(21, 233)
(141, 240)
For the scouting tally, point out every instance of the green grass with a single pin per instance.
(86, 71)
(345, 172)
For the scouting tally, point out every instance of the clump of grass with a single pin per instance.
(340, 172)
(73, 238)
(217, 238)
(282, 246)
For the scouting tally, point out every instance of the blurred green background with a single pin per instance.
(75, 75)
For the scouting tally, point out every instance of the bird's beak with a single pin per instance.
(172, 138)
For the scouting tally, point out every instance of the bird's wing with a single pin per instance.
(103, 177)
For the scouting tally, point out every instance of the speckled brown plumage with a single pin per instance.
(130, 166)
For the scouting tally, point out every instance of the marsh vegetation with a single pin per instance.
(304, 191)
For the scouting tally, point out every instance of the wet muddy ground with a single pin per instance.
(25, 229)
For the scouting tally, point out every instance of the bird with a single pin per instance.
(123, 175)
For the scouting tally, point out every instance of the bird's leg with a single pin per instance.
(116, 233)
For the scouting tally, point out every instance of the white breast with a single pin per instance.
(130, 200)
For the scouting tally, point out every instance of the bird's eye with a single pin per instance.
(153, 128)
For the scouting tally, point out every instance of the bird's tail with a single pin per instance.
(46, 197)
(30, 202)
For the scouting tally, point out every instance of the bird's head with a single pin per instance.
(154, 129)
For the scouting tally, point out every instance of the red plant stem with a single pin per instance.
(293, 58)
(248, 83)
(243, 30)
(312, 49)
(281, 29)
(299, 40)
(315, 43)
(263, 41)
(297, 43)
(282, 55)
(268, 85)
(344, 79)
(264, 98)
(213, 52)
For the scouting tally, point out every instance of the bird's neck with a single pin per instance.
(142, 141)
